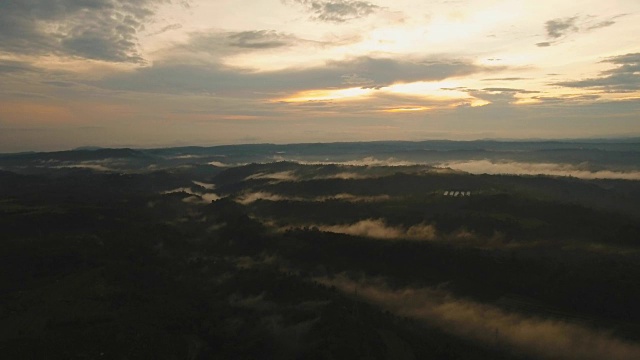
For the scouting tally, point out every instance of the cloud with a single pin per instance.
(631, 58)
(495, 96)
(197, 198)
(510, 90)
(601, 24)
(519, 168)
(262, 39)
(220, 43)
(506, 79)
(10, 66)
(98, 29)
(219, 164)
(166, 28)
(593, 23)
(532, 335)
(356, 80)
(186, 76)
(367, 161)
(378, 229)
(343, 175)
(279, 176)
(623, 78)
(354, 198)
(250, 197)
(59, 83)
(95, 167)
(337, 11)
(565, 98)
(225, 43)
(491, 96)
(205, 185)
(560, 27)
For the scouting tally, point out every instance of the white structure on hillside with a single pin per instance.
(457, 193)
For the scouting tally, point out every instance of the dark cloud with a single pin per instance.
(25, 95)
(565, 99)
(559, 27)
(166, 28)
(9, 66)
(262, 39)
(215, 78)
(623, 78)
(92, 29)
(220, 44)
(594, 23)
(496, 96)
(337, 10)
(224, 43)
(385, 71)
(506, 79)
(59, 83)
(629, 63)
(601, 24)
(357, 80)
(587, 97)
(510, 90)
(457, 88)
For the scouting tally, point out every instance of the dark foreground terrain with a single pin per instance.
(344, 251)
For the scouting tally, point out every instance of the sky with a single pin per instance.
(155, 73)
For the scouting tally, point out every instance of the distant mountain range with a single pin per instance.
(582, 154)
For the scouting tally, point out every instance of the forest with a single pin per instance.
(172, 254)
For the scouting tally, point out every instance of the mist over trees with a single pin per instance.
(188, 253)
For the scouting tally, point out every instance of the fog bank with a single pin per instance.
(519, 168)
(532, 335)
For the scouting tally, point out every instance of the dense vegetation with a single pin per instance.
(142, 264)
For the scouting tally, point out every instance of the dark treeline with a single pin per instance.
(114, 265)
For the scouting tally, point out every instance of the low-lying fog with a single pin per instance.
(250, 197)
(197, 197)
(520, 168)
(522, 333)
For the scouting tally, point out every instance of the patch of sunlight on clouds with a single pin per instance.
(328, 94)
(408, 109)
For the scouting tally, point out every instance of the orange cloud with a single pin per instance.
(328, 94)
(408, 109)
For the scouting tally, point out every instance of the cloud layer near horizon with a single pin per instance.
(521, 168)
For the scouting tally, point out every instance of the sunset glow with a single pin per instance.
(204, 70)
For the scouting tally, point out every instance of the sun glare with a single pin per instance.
(328, 94)
(433, 90)
(408, 109)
